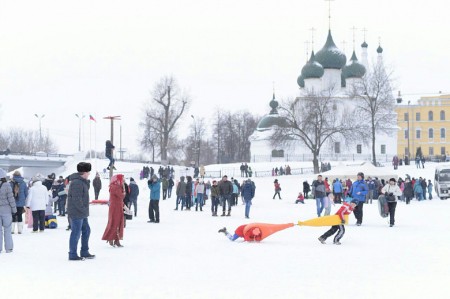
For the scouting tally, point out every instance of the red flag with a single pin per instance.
(92, 118)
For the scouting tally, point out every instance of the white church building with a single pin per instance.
(326, 69)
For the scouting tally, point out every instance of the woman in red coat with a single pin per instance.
(114, 230)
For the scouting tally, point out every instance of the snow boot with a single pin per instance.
(337, 243)
(13, 227)
(322, 240)
(229, 213)
(223, 214)
(223, 230)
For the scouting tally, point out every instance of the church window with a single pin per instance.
(337, 147)
(417, 134)
(406, 116)
(443, 133)
(431, 151)
(406, 134)
(418, 116)
(443, 150)
(442, 115)
(358, 149)
(430, 115)
(430, 133)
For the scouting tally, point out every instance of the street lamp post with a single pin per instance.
(40, 127)
(196, 141)
(80, 118)
(409, 154)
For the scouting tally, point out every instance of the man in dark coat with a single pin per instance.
(226, 190)
(78, 210)
(97, 183)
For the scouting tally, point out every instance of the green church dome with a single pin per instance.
(301, 81)
(330, 57)
(312, 69)
(353, 69)
(271, 119)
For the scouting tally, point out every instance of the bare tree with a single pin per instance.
(21, 141)
(314, 120)
(375, 104)
(231, 134)
(165, 108)
(150, 140)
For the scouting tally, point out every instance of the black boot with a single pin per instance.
(223, 214)
(229, 213)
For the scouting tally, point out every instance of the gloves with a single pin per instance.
(343, 221)
(391, 194)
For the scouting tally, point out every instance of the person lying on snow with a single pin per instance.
(254, 232)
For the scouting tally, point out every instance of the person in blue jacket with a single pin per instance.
(337, 191)
(358, 191)
(155, 193)
(20, 198)
(248, 192)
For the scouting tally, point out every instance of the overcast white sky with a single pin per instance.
(102, 57)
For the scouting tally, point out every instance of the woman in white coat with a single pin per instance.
(37, 200)
(391, 192)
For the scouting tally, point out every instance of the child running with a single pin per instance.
(346, 209)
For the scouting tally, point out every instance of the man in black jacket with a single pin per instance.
(78, 210)
(225, 190)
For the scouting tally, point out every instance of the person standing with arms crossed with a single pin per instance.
(78, 210)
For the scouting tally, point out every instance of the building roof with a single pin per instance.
(330, 57)
(353, 69)
(312, 69)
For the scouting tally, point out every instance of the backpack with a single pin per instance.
(15, 189)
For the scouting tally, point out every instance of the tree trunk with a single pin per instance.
(315, 163)
(373, 143)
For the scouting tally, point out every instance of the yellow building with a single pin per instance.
(428, 120)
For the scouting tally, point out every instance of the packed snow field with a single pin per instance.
(185, 257)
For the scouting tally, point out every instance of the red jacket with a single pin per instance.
(346, 209)
(277, 186)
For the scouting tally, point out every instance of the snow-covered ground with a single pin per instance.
(185, 257)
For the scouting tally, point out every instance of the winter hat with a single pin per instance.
(84, 167)
(131, 180)
(3, 174)
(154, 177)
(361, 175)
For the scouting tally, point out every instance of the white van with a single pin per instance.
(442, 181)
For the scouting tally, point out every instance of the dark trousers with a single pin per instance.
(96, 193)
(392, 206)
(408, 199)
(38, 220)
(358, 212)
(164, 194)
(214, 204)
(17, 217)
(153, 210)
(305, 194)
(339, 228)
(226, 199)
(169, 192)
(277, 192)
(62, 206)
(338, 197)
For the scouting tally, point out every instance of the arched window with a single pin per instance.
(430, 133)
(443, 133)
(430, 115)
(442, 115)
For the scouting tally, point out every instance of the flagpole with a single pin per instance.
(90, 139)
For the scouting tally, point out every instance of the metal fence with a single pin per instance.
(322, 157)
